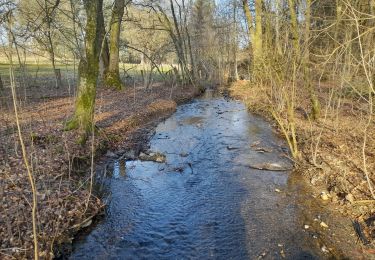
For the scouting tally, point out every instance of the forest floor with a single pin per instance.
(337, 142)
(61, 167)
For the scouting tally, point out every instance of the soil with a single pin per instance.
(337, 140)
(61, 167)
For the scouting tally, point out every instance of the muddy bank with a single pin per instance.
(336, 175)
(61, 167)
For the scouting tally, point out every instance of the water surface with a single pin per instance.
(205, 202)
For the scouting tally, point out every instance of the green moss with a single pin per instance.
(315, 109)
(71, 124)
(112, 80)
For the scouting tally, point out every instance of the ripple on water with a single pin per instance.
(216, 207)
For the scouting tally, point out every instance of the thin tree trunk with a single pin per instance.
(179, 42)
(294, 27)
(258, 37)
(192, 61)
(104, 57)
(51, 48)
(24, 153)
(189, 52)
(1, 85)
(315, 104)
(52, 57)
(112, 76)
(235, 63)
(88, 72)
(277, 27)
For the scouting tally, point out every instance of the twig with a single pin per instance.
(24, 154)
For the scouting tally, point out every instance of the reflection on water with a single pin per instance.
(204, 202)
(119, 169)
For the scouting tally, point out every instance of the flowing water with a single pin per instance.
(206, 201)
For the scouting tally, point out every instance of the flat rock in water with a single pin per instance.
(262, 150)
(154, 157)
(270, 167)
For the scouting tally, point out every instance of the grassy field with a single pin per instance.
(45, 70)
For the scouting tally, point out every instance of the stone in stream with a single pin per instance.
(270, 167)
(154, 157)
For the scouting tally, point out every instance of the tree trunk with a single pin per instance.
(277, 27)
(53, 61)
(315, 104)
(49, 20)
(112, 75)
(294, 27)
(1, 85)
(249, 21)
(235, 49)
(88, 72)
(258, 37)
(189, 48)
(104, 57)
(179, 43)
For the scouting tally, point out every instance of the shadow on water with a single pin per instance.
(204, 202)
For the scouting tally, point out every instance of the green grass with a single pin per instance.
(46, 69)
(39, 69)
(43, 73)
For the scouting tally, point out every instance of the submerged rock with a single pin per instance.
(154, 157)
(270, 167)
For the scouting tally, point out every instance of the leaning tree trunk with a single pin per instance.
(104, 56)
(112, 75)
(88, 72)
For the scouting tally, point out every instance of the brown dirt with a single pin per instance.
(338, 135)
(61, 166)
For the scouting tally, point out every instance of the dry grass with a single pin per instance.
(331, 147)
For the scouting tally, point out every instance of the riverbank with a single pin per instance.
(337, 174)
(61, 167)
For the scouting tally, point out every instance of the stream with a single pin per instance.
(206, 201)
